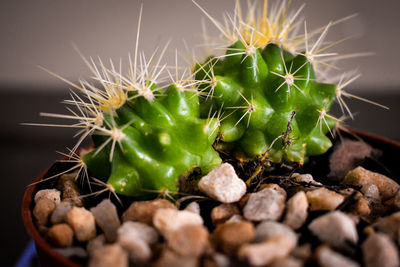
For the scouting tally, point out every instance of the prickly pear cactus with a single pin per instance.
(264, 93)
(148, 143)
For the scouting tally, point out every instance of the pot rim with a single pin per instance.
(45, 247)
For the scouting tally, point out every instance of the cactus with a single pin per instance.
(266, 90)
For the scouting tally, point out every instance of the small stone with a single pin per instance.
(296, 210)
(268, 229)
(107, 219)
(61, 235)
(139, 251)
(389, 225)
(335, 228)
(275, 187)
(59, 215)
(73, 252)
(243, 201)
(304, 178)
(287, 262)
(223, 184)
(170, 258)
(396, 200)
(193, 207)
(223, 212)
(83, 223)
(168, 220)
(324, 199)
(360, 177)
(69, 189)
(267, 204)
(50, 194)
(109, 255)
(189, 240)
(303, 252)
(327, 257)
(275, 248)
(236, 218)
(42, 210)
(137, 231)
(228, 237)
(371, 193)
(143, 211)
(379, 251)
(217, 260)
(95, 243)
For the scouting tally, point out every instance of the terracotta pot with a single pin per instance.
(48, 256)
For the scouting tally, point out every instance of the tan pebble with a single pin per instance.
(304, 178)
(189, 240)
(327, 257)
(260, 254)
(107, 219)
(275, 187)
(95, 243)
(223, 212)
(109, 255)
(59, 215)
(268, 229)
(61, 235)
(50, 194)
(223, 184)
(267, 204)
(379, 251)
(167, 221)
(143, 211)
(324, 199)
(70, 191)
(170, 258)
(389, 225)
(42, 210)
(303, 252)
(396, 200)
(361, 177)
(83, 223)
(287, 262)
(193, 207)
(296, 210)
(228, 237)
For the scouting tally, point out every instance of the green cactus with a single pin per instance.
(148, 143)
(257, 92)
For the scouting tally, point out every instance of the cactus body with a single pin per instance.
(155, 141)
(258, 91)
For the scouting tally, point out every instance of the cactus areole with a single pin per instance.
(154, 142)
(258, 90)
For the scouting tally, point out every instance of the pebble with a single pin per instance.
(327, 257)
(83, 223)
(143, 211)
(296, 210)
(193, 207)
(379, 251)
(324, 199)
(335, 228)
(73, 252)
(260, 254)
(223, 212)
(42, 210)
(287, 262)
(61, 235)
(107, 219)
(189, 240)
(170, 258)
(168, 220)
(389, 225)
(95, 243)
(217, 260)
(396, 200)
(223, 184)
(267, 204)
(236, 218)
(303, 252)
(59, 215)
(139, 251)
(304, 178)
(268, 229)
(137, 231)
(228, 237)
(69, 189)
(371, 193)
(360, 177)
(50, 194)
(109, 255)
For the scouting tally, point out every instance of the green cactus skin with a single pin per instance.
(161, 139)
(257, 93)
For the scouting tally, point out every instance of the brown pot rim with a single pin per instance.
(43, 246)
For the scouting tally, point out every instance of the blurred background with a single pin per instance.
(40, 33)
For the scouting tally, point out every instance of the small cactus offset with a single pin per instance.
(265, 90)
